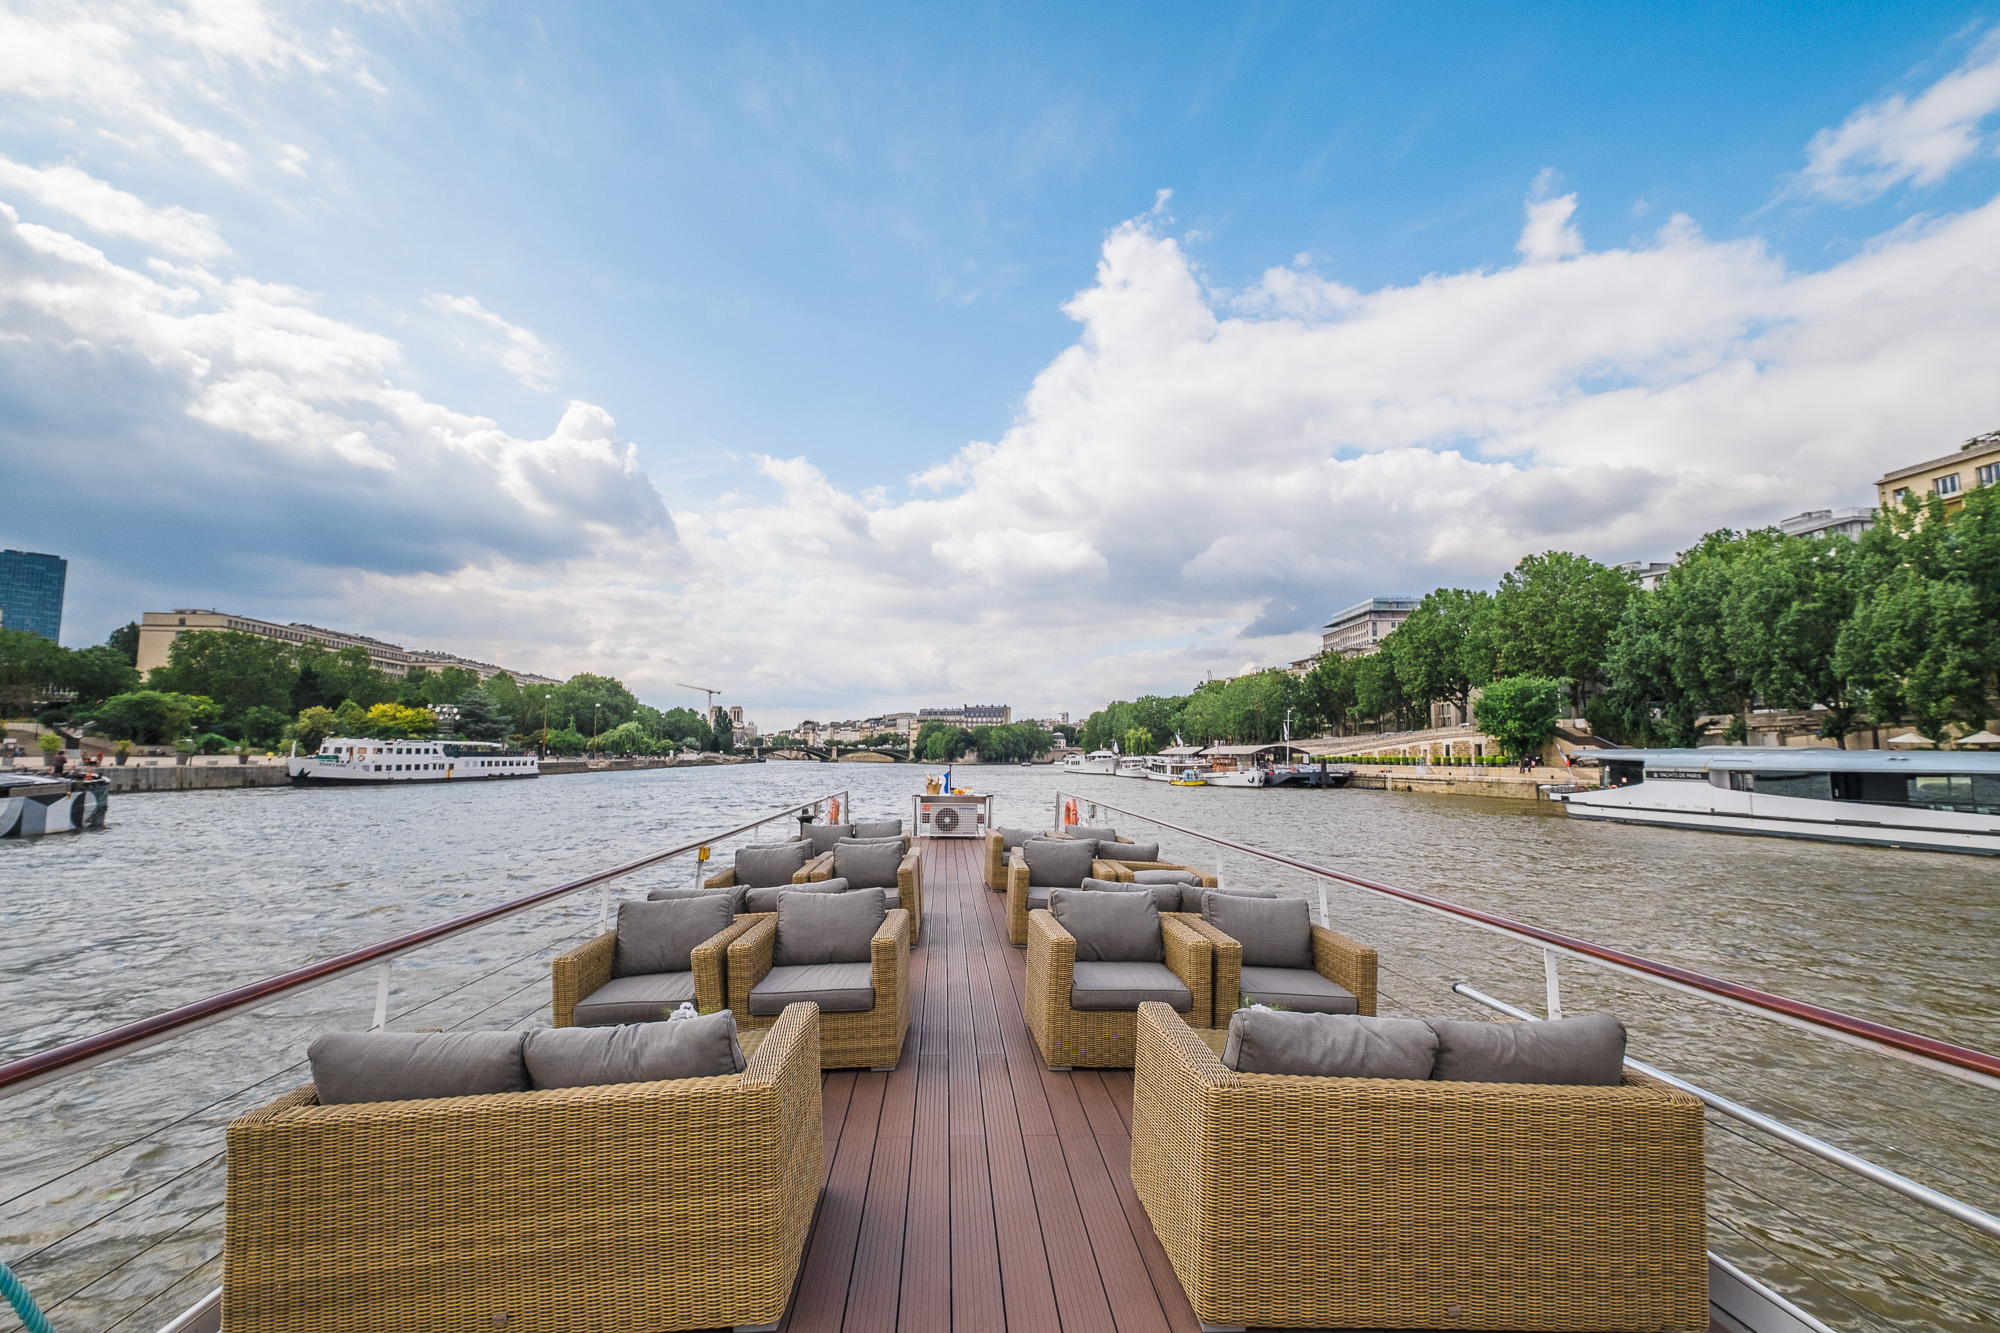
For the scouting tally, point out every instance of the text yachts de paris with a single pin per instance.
(353, 759)
(1943, 801)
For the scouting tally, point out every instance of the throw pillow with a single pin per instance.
(735, 893)
(872, 867)
(1588, 1050)
(821, 837)
(761, 868)
(410, 1066)
(1191, 894)
(1167, 877)
(660, 936)
(1057, 865)
(881, 828)
(868, 842)
(1270, 1041)
(1010, 838)
(1110, 927)
(634, 1052)
(1127, 851)
(766, 899)
(1166, 897)
(1089, 832)
(827, 927)
(1274, 932)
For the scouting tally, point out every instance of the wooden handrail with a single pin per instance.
(1861, 1030)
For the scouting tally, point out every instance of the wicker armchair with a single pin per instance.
(819, 868)
(869, 1040)
(576, 974)
(1461, 1205)
(1018, 902)
(910, 888)
(1344, 962)
(1101, 1038)
(629, 1208)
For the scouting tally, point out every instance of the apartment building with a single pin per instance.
(158, 630)
(1977, 463)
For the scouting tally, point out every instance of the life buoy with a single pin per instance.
(1069, 812)
(833, 811)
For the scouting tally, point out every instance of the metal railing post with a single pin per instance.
(603, 906)
(1325, 917)
(1554, 983)
(381, 996)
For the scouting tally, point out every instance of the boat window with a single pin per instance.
(1806, 786)
(1624, 775)
(1739, 781)
(1967, 792)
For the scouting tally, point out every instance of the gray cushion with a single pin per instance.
(1010, 838)
(1057, 865)
(1329, 1045)
(1089, 831)
(409, 1066)
(821, 837)
(1167, 877)
(1037, 897)
(634, 1052)
(766, 899)
(837, 988)
(1299, 989)
(1108, 850)
(827, 927)
(1110, 927)
(868, 867)
(736, 894)
(1191, 894)
(1586, 1050)
(634, 1000)
(881, 828)
(869, 842)
(1127, 986)
(1166, 897)
(758, 868)
(659, 936)
(1274, 932)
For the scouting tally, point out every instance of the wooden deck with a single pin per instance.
(970, 1188)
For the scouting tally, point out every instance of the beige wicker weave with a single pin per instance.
(574, 975)
(629, 1208)
(1125, 869)
(1342, 961)
(1390, 1203)
(819, 868)
(872, 1040)
(1017, 894)
(1100, 1039)
(910, 888)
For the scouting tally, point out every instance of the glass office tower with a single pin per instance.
(31, 592)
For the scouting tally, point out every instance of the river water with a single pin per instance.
(110, 1205)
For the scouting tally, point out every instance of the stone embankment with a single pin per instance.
(1507, 783)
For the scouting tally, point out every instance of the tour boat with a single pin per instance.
(1234, 777)
(1943, 801)
(1131, 766)
(353, 759)
(34, 804)
(1097, 761)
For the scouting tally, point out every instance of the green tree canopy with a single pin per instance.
(479, 719)
(154, 717)
(1520, 712)
(1554, 616)
(95, 674)
(30, 666)
(126, 640)
(588, 702)
(236, 670)
(1444, 650)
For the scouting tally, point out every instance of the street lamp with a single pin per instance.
(545, 724)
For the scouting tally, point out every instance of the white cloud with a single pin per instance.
(110, 211)
(519, 352)
(1549, 234)
(1916, 140)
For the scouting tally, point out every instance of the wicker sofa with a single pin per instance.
(1344, 962)
(819, 868)
(1102, 1038)
(872, 1039)
(584, 969)
(1388, 1203)
(628, 1208)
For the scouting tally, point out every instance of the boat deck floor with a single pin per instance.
(971, 1188)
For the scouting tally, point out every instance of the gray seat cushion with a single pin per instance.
(762, 867)
(1037, 897)
(1110, 927)
(766, 899)
(1191, 894)
(868, 867)
(1114, 985)
(881, 828)
(827, 927)
(1299, 989)
(410, 1066)
(660, 935)
(1587, 1050)
(1166, 897)
(1328, 1045)
(634, 1053)
(1127, 851)
(634, 1000)
(1058, 865)
(1274, 932)
(736, 894)
(821, 837)
(837, 988)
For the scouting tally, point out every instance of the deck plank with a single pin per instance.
(820, 1303)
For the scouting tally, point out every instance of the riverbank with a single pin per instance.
(1507, 783)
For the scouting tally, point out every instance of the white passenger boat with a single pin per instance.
(355, 759)
(1234, 777)
(1132, 766)
(1097, 761)
(1943, 801)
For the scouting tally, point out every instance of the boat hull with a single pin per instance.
(1789, 819)
(57, 805)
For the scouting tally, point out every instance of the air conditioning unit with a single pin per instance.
(953, 816)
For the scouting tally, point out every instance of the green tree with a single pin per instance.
(1139, 741)
(684, 725)
(1378, 696)
(154, 717)
(1788, 599)
(479, 719)
(30, 667)
(350, 719)
(395, 721)
(95, 674)
(263, 727)
(351, 674)
(514, 704)
(238, 671)
(597, 703)
(1520, 712)
(1443, 651)
(1326, 695)
(312, 728)
(1669, 660)
(627, 738)
(566, 741)
(125, 639)
(1554, 616)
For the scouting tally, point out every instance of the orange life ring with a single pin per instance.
(1069, 813)
(833, 811)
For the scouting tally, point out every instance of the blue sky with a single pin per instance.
(871, 328)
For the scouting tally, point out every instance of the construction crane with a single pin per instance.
(708, 715)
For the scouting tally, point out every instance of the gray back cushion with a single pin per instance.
(766, 899)
(1166, 897)
(762, 867)
(868, 842)
(872, 867)
(409, 1066)
(735, 894)
(1270, 1041)
(1110, 927)
(1010, 838)
(1090, 832)
(1586, 1050)
(1058, 865)
(881, 828)
(1127, 851)
(1191, 894)
(634, 1052)
(660, 936)
(1167, 877)
(1274, 932)
(827, 927)
(821, 837)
